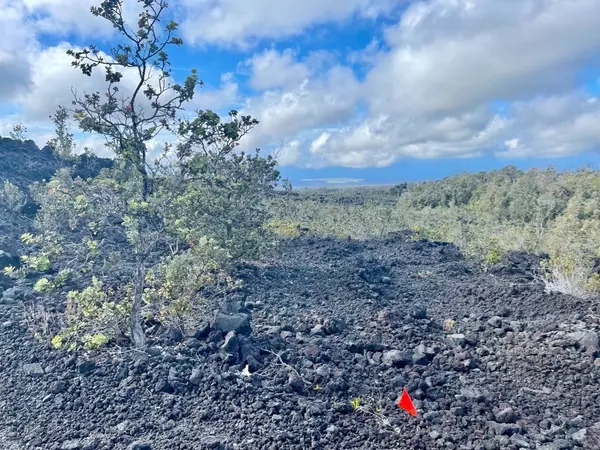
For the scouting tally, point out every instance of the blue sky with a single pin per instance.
(367, 91)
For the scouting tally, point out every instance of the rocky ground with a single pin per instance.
(491, 361)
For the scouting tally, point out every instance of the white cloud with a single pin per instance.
(381, 141)
(272, 69)
(289, 153)
(553, 126)
(215, 98)
(452, 55)
(62, 17)
(242, 21)
(329, 99)
(428, 85)
(428, 95)
(544, 127)
(52, 80)
(16, 41)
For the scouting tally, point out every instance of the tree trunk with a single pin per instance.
(137, 331)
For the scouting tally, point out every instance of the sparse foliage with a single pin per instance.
(62, 144)
(11, 197)
(18, 132)
(128, 121)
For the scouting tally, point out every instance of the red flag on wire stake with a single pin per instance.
(406, 403)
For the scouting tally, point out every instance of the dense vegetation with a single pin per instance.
(139, 246)
(486, 214)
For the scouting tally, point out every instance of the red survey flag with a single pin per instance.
(406, 403)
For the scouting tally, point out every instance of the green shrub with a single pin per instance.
(11, 197)
(144, 238)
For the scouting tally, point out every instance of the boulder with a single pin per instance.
(238, 322)
(588, 340)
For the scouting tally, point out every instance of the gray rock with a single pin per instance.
(202, 331)
(17, 293)
(273, 330)
(253, 364)
(174, 334)
(495, 321)
(473, 394)
(238, 322)
(543, 391)
(580, 435)
(592, 437)
(74, 444)
(234, 306)
(519, 440)
(86, 367)
(193, 343)
(58, 387)
(434, 434)
(286, 334)
(395, 358)
(196, 376)
(295, 383)
(502, 429)
(91, 443)
(588, 340)
(140, 445)
(33, 370)
(419, 312)
(323, 371)
(163, 385)
(317, 330)
(458, 411)
(420, 358)
(457, 339)
(507, 415)
(6, 259)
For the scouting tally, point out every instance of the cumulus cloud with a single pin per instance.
(545, 127)
(62, 17)
(240, 22)
(452, 55)
(553, 126)
(316, 102)
(215, 98)
(54, 80)
(428, 82)
(381, 141)
(16, 41)
(272, 69)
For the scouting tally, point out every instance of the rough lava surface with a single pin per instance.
(332, 321)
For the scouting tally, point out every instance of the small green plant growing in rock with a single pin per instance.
(492, 257)
(355, 402)
(43, 285)
(449, 325)
(94, 341)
